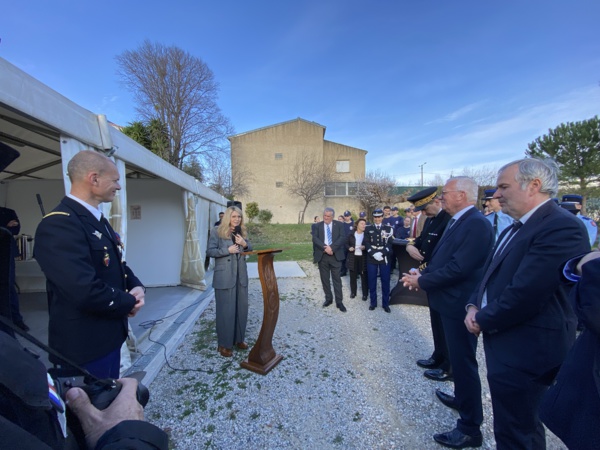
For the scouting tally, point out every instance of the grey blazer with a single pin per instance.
(229, 267)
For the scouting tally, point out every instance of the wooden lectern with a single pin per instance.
(262, 357)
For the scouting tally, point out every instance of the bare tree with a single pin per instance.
(437, 180)
(227, 181)
(376, 190)
(307, 178)
(179, 90)
(484, 176)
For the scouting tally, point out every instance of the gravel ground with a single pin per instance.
(346, 380)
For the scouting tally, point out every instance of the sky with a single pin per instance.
(431, 85)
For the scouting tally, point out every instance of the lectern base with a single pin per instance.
(261, 369)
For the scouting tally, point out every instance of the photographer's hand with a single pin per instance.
(95, 422)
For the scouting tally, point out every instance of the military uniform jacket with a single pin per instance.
(379, 241)
(432, 232)
(87, 283)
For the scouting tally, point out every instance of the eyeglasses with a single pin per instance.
(447, 192)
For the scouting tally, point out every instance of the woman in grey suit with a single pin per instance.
(230, 280)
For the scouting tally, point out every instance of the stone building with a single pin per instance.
(270, 153)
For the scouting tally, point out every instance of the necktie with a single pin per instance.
(513, 229)
(496, 225)
(329, 240)
(106, 224)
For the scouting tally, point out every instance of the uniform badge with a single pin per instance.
(106, 259)
(98, 234)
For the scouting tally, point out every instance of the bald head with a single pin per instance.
(85, 162)
(94, 177)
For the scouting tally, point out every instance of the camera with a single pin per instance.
(101, 392)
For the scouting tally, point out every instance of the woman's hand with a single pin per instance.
(233, 248)
(351, 249)
(239, 240)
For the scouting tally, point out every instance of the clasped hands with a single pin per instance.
(411, 279)
(140, 296)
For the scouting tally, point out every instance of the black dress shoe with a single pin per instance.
(371, 308)
(341, 307)
(364, 298)
(457, 439)
(428, 363)
(352, 295)
(438, 375)
(22, 325)
(446, 399)
(326, 304)
(387, 309)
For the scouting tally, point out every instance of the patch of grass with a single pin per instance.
(254, 415)
(338, 439)
(303, 332)
(357, 417)
(210, 428)
(297, 381)
(294, 239)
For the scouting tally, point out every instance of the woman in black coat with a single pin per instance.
(356, 261)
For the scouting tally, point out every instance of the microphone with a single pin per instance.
(237, 230)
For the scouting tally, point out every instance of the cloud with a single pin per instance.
(490, 143)
(459, 113)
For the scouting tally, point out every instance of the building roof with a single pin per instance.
(278, 124)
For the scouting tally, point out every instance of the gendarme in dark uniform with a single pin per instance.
(378, 244)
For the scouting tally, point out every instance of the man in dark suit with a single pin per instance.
(571, 407)
(91, 290)
(452, 274)
(521, 306)
(329, 239)
(438, 365)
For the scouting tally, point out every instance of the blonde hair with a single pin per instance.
(223, 229)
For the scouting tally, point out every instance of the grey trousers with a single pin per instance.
(232, 315)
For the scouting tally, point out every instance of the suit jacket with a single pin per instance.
(338, 239)
(87, 283)
(456, 264)
(229, 268)
(527, 307)
(432, 233)
(571, 407)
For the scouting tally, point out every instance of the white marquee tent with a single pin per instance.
(162, 214)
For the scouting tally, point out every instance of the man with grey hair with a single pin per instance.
(329, 241)
(520, 306)
(452, 274)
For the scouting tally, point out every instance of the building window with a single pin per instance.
(279, 184)
(342, 166)
(278, 155)
(340, 189)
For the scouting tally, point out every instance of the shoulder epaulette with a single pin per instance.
(54, 213)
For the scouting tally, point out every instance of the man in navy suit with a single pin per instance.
(91, 290)
(521, 307)
(452, 274)
(329, 239)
